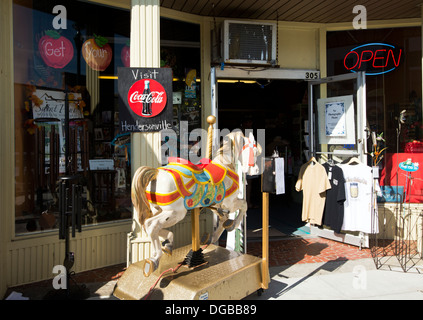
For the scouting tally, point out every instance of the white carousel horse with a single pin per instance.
(162, 196)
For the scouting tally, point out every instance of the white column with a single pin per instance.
(145, 53)
(145, 147)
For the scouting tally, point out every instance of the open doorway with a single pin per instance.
(280, 107)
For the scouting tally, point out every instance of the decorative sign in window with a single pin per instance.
(373, 58)
(55, 50)
(97, 53)
(335, 119)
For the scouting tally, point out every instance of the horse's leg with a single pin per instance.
(223, 223)
(167, 244)
(153, 227)
(242, 206)
(152, 263)
(218, 232)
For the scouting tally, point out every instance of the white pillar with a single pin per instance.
(145, 147)
(145, 53)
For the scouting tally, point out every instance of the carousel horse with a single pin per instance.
(162, 196)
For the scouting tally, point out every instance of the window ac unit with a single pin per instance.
(249, 42)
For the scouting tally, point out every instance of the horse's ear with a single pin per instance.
(259, 149)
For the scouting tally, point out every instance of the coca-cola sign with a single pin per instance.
(145, 99)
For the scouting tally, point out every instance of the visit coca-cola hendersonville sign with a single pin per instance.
(145, 99)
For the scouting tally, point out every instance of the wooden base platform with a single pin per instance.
(227, 275)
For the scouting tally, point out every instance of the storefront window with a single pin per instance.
(392, 61)
(66, 56)
(180, 50)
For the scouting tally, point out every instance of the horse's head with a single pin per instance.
(249, 154)
(236, 147)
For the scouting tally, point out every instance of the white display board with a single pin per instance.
(336, 120)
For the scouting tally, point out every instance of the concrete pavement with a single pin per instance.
(334, 280)
(343, 280)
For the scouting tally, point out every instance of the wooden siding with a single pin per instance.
(30, 261)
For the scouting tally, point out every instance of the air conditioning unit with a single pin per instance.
(249, 42)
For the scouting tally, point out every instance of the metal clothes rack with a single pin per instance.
(360, 240)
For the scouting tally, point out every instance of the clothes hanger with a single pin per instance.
(353, 160)
(312, 161)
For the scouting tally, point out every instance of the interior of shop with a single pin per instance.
(280, 107)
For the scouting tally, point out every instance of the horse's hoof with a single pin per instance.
(149, 267)
(228, 225)
(205, 239)
(220, 212)
(167, 249)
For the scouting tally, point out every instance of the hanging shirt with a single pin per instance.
(358, 209)
(313, 181)
(333, 215)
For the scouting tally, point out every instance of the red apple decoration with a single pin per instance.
(125, 56)
(55, 50)
(97, 53)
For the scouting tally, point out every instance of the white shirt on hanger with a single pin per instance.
(358, 211)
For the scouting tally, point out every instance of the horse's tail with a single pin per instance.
(140, 181)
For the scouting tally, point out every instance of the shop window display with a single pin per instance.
(392, 61)
(66, 107)
(393, 78)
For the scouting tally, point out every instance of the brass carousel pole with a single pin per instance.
(265, 243)
(195, 217)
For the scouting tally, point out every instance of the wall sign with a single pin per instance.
(336, 120)
(373, 58)
(145, 99)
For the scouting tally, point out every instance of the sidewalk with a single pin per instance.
(342, 280)
(300, 269)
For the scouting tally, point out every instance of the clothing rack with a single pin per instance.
(361, 240)
(356, 238)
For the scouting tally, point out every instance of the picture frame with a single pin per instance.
(98, 134)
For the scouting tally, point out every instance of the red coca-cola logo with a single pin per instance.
(147, 98)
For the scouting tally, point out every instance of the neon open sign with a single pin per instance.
(373, 58)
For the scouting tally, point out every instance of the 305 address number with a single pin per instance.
(311, 75)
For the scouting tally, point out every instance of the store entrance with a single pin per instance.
(280, 107)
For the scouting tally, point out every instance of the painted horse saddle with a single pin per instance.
(199, 185)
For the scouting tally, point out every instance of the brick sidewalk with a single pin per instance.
(307, 250)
